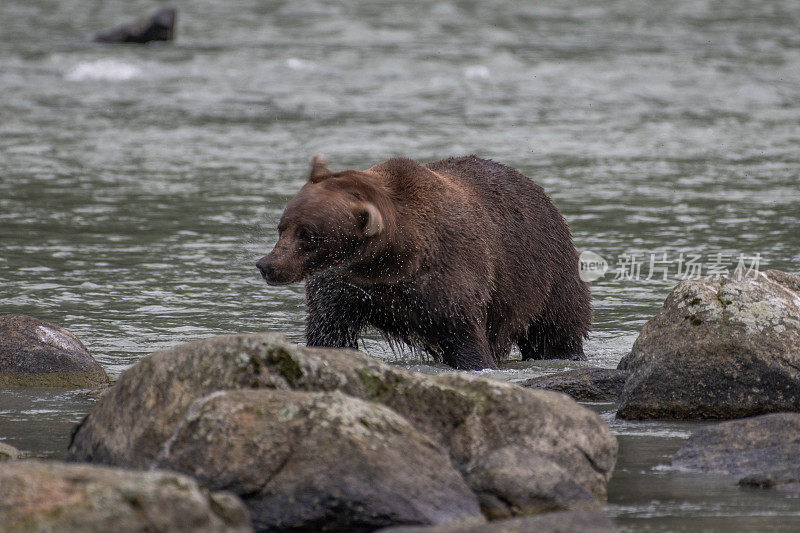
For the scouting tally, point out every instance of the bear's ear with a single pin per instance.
(319, 169)
(372, 220)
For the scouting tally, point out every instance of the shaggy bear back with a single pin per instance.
(468, 258)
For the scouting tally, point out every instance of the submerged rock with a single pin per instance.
(7, 452)
(764, 449)
(53, 496)
(35, 353)
(317, 461)
(562, 522)
(583, 384)
(785, 477)
(470, 417)
(719, 348)
(157, 27)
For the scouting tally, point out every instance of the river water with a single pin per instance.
(139, 184)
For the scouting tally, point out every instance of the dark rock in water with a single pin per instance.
(35, 353)
(563, 522)
(53, 496)
(583, 384)
(8, 453)
(785, 477)
(318, 461)
(157, 27)
(720, 348)
(157, 408)
(765, 449)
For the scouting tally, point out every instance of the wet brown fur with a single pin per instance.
(471, 258)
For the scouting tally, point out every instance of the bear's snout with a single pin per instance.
(266, 268)
(278, 272)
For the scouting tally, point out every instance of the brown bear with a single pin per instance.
(461, 258)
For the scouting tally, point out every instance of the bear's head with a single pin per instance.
(334, 221)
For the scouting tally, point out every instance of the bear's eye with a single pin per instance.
(307, 236)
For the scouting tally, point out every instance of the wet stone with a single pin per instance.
(583, 384)
(35, 353)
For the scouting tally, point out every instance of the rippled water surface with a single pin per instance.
(139, 184)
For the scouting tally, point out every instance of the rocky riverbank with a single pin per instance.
(298, 438)
(260, 433)
(346, 439)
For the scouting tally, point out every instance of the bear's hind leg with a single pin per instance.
(551, 342)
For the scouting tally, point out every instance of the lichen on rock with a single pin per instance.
(721, 347)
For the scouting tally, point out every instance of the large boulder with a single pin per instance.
(35, 353)
(159, 26)
(469, 416)
(721, 347)
(765, 450)
(561, 522)
(583, 384)
(317, 461)
(53, 496)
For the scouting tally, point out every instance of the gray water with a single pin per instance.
(139, 184)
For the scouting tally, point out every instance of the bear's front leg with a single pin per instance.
(336, 314)
(467, 351)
